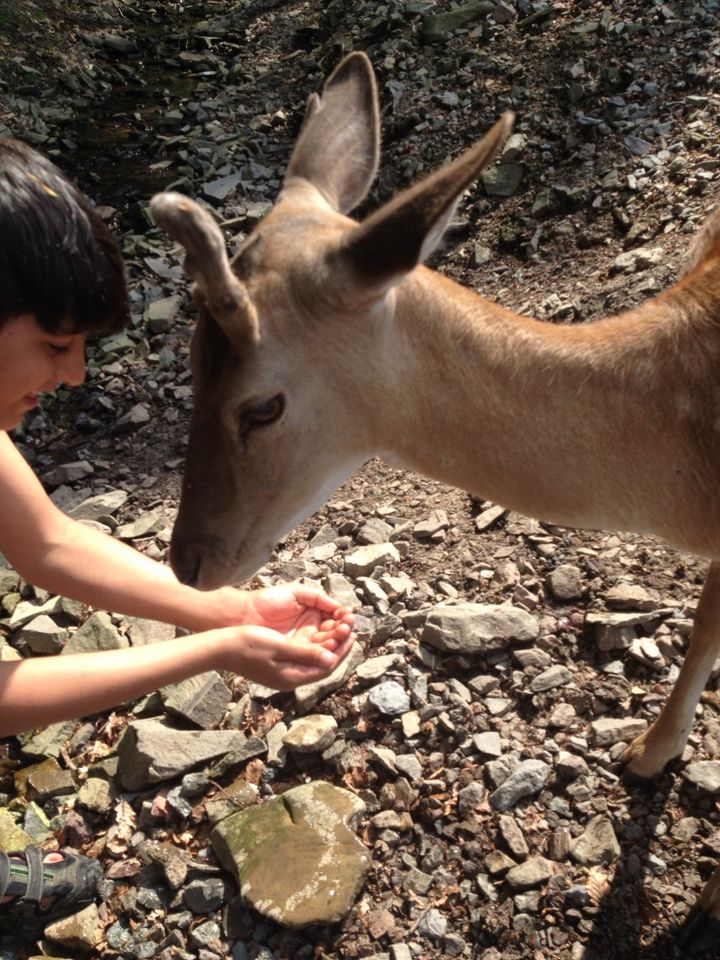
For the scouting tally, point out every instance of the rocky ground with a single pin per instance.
(493, 813)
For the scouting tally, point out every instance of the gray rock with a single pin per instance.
(161, 313)
(143, 632)
(203, 896)
(100, 505)
(378, 666)
(616, 631)
(400, 951)
(48, 742)
(529, 778)
(118, 43)
(647, 651)
(146, 525)
(437, 25)
(629, 596)
(532, 657)
(432, 525)
(390, 698)
(488, 744)
(311, 734)
(97, 633)
(97, 795)
(489, 517)
(9, 580)
(80, 933)
(433, 924)
(223, 187)
(43, 635)
(307, 830)
(565, 582)
(69, 473)
(477, 628)
(137, 416)
(556, 676)
(409, 765)
(513, 836)
(533, 873)
(342, 590)
(361, 562)
(606, 731)
(705, 774)
(202, 699)
(597, 844)
(503, 180)
(374, 531)
(504, 13)
(25, 612)
(150, 751)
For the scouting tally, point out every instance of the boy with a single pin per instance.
(61, 278)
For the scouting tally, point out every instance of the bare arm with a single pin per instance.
(282, 636)
(43, 690)
(72, 559)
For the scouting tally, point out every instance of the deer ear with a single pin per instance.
(401, 234)
(339, 144)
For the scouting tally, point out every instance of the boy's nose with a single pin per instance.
(72, 369)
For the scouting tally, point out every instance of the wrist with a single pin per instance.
(227, 607)
(221, 641)
(213, 609)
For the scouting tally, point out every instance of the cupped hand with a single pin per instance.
(300, 612)
(271, 658)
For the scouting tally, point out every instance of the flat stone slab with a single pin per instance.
(151, 751)
(477, 628)
(296, 858)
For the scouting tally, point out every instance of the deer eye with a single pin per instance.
(261, 414)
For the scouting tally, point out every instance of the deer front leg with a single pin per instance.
(701, 930)
(649, 754)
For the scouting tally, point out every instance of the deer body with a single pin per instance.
(326, 342)
(584, 426)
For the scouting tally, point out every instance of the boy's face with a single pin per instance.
(34, 362)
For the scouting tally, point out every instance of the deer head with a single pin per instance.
(282, 356)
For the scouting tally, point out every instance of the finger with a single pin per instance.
(339, 646)
(310, 654)
(336, 635)
(318, 599)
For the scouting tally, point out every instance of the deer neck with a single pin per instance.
(580, 425)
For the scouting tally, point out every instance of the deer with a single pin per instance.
(326, 342)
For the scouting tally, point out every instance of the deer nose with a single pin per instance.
(185, 560)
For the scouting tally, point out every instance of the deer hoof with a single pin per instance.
(700, 932)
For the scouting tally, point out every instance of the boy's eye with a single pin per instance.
(58, 347)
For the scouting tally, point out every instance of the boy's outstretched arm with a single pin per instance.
(69, 558)
(43, 690)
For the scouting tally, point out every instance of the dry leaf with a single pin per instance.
(160, 806)
(123, 869)
(120, 833)
(598, 884)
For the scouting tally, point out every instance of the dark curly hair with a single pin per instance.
(58, 259)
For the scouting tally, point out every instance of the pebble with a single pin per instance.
(705, 775)
(528, 779)
(389, 698)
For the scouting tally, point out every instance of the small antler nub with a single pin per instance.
(207, 262)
